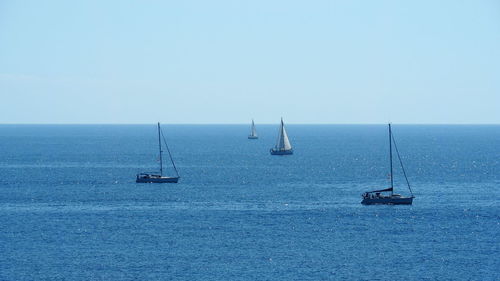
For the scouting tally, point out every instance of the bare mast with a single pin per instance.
(390, 158)
(159, 144)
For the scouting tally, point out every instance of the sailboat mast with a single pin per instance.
(390, 157)
(159, 145)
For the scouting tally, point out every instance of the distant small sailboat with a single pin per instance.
(159, 178)
(377, 197)
(253, 132)
(283, 146)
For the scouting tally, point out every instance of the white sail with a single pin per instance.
(254, 131)
(283, 142)
(286, 141)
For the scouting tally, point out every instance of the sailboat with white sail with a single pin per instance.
(387, 196)
(159, 178)
(283, 146)
(253, 132)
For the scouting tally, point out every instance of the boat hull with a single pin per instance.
(281, 152)
(155, 179)
(388, 201)
(253, 137)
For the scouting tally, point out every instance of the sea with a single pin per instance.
(70, 208)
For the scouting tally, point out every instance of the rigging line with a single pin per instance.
(169, 154)
(401, 163)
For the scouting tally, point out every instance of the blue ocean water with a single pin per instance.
(70, 208)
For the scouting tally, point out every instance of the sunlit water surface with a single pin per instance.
(70, 208)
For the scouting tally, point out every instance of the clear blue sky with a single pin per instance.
(230, 61)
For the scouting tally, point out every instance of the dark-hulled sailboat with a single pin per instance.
(283, 146)
(387, 196)
(159, 178)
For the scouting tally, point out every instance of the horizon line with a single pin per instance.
(63, 124)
